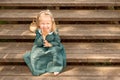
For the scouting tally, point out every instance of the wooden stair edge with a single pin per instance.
(67, 15)
(23, 70)
(66, 31)
(59, 3)
(20, 72)
(60, 78)
(76, 52)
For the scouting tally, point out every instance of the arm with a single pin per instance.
(56, 41)
(38, 40)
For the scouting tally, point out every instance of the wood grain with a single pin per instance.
(61, 15)
(90, 31)
(76, 52)
(58, 3)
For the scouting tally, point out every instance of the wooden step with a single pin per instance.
(76, 52)
(59, 3)
(117, 3)
(85, 31)
(62, 15)
(59, 78)
(21, 72)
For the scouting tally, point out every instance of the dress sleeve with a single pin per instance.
(56, 40)
(38, 39)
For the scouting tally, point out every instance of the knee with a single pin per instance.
(26, 57)
(36, 53)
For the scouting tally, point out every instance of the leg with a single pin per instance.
(34, 56)
(57, 61)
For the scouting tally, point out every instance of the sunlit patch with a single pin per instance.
(5, 56)
(28, 33)
(13, 67)
(1, 48)
(1, 68)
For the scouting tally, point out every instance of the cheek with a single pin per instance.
(41, 26)
(50, 26)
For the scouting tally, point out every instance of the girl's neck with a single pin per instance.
(40, 31)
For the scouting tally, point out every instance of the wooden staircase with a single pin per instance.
(89, 29)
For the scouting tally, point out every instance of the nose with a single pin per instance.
(45, 26)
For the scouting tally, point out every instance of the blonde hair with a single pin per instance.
(46, 12)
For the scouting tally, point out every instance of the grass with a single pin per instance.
(3, 22)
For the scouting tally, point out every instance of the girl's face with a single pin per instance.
(45, 22)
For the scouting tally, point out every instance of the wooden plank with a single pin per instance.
(69, 73)
(57, 3)
(85, 31)
(117, 2)
(22, 70)
(62, 15)
(59, 78)
(76, 52)
(76, 58)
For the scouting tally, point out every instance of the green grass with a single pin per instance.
(3, 22)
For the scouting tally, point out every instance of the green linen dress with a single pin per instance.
(46, 59)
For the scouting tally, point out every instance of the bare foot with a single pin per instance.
(56, 73)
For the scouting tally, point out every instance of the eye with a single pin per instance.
(42, 23)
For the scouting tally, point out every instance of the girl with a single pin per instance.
(47, 54)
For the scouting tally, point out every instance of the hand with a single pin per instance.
(47, 44)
